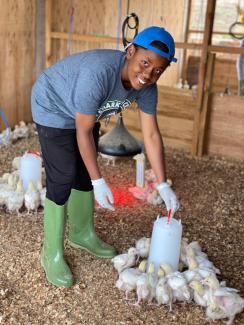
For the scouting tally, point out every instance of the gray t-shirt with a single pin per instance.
(89, 83)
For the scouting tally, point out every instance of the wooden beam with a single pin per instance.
(184, 58)
(204, 114)
(48, 26)
(226, 49)
(40, 36)
(214, 33)
(84, 38)
(209, 19)
(107, 39)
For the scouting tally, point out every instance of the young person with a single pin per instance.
(68, 101)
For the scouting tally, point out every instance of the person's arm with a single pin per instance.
(84, 127)
(154, 145)
(155, 151)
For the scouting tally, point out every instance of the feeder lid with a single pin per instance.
(119, 142)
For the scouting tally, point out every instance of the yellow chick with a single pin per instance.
(166, 268)
(201, 295)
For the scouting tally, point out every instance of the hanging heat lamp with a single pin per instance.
(119, 141)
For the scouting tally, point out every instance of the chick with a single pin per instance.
(4, 178)
(196, 247)
(42, 191)
(146, 285)
(11, 181)
(161, 273)
(32, 198)
(127, 280)
(191, 275)
(128, 277)
(5, 192)
(20, 131)
(164, 293)
(178, 284)
(213, 312)
(200, 294)
(16, 163)
(143, 247)
(199, 261)
(126, 260)
(183, 248)
(226, 300)
(166, 268)
(153, 280)
(16, 200)
(142, 289)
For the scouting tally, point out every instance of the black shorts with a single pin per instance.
(63, 164)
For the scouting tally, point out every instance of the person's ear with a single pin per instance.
(130, 51)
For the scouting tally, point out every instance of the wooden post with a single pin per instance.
(209, 19)
(48, 29)
(40, 46)
(184, 59)
(204, 114)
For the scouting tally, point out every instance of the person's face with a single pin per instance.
(142, 68)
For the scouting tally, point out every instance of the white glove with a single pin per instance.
(169, 197)
(103, 194)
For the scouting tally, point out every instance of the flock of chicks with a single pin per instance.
(14, 197)
(195, 281)
(20, 131)
(12, 194)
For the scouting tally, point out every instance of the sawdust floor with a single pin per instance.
(212, 197)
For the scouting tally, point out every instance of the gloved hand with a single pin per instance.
(169, 197)
(103, 194)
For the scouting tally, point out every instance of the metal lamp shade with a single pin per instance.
(119, 142)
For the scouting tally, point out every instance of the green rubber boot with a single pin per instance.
(81, 225)
(52, 254)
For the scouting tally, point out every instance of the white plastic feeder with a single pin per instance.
(165, 242)
(30, 168)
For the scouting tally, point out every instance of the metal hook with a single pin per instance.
(232, 26)
(127, 24)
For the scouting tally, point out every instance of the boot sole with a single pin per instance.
(89, 251)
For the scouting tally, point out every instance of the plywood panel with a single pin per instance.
(225, 134)
(168, 14)
(176, 102)
(88, 18)
(17, 57)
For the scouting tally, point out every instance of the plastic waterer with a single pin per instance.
(30, 168)
(165, 243)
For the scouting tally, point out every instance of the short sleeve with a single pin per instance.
(148, 99)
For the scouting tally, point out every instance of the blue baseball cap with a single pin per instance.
(151, 34)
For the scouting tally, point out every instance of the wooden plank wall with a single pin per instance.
(175, 117)
(88, 19)
(17, 57)
(101, 18)
(225, 133)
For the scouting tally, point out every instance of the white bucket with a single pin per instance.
(30, 168)
(165, 243)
